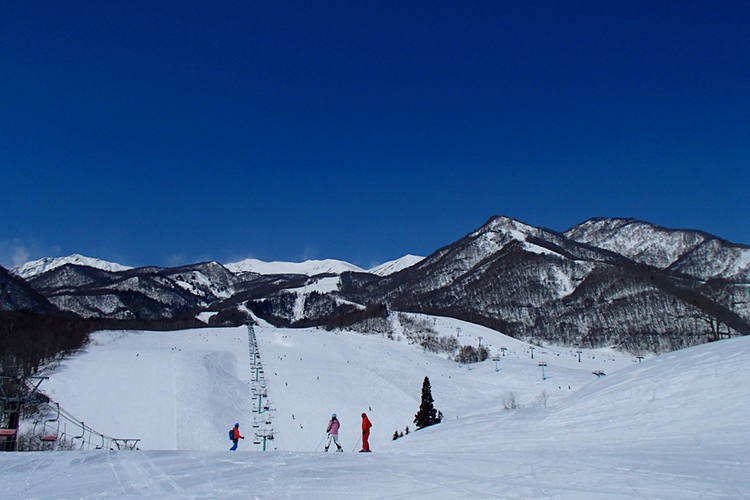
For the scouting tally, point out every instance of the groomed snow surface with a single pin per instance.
(675, 426)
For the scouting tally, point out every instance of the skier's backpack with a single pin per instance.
(231, 434)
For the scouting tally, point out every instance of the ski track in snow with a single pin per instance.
(672, 427)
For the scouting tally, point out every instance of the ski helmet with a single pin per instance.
(333, 416)
(236, 425)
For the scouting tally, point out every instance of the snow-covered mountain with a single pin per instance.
(687, 251)
(308, 267)
(538, 284)
(394, 266)
(144, 293)
(604, 282)
(637, 240)
(37, 267)
(674, 426)
(17, 295)
(716, 259)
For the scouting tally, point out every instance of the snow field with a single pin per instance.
(672, 427)
(173, 390)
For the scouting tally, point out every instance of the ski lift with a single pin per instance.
(83, 431)
(125, 444)
(51, 427)
(74, 439)
(102, 446)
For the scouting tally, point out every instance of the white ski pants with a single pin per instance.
(335, 438)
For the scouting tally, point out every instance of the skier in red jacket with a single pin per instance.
(366, 424)
(236, 437)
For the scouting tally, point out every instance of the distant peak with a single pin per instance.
(308, 267)
(504, 224)
(394, 266)
(37, 267)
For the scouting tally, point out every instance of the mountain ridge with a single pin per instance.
(40, 266)
(602, 282)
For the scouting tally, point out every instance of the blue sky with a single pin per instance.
(171, 132)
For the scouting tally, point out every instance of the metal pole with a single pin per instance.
(543, 364)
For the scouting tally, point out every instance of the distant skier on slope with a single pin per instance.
(333, 433)
(236, 436)
(366, 424)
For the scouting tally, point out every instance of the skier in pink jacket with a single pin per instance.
(333, 433)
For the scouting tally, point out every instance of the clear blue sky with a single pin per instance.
(171, 132)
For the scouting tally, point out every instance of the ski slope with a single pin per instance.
(675, 426)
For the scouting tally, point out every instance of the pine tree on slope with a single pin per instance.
(427, 414)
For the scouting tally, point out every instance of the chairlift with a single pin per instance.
(101, 446)
(51, 427)
(83, 431)
(79, 438)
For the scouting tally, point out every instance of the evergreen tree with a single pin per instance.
(427, 414)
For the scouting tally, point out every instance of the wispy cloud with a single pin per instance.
(20, 255)
(310, 252)
(13, 253)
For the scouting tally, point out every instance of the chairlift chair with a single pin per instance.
(102, 446)
(51, 427)
(79, 437)
(7, 432)
(83, 431)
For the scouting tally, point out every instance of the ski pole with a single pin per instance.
(355, 446)
(321, 441)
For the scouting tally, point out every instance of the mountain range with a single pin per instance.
(607, 281)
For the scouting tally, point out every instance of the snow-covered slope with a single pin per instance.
(394, 266)
(637, 240)
(717, 259)
(308, 267)
(688, 251)
(674, 426)
(37, 267)
(313, 267)
(17, 295)
(161, 366)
